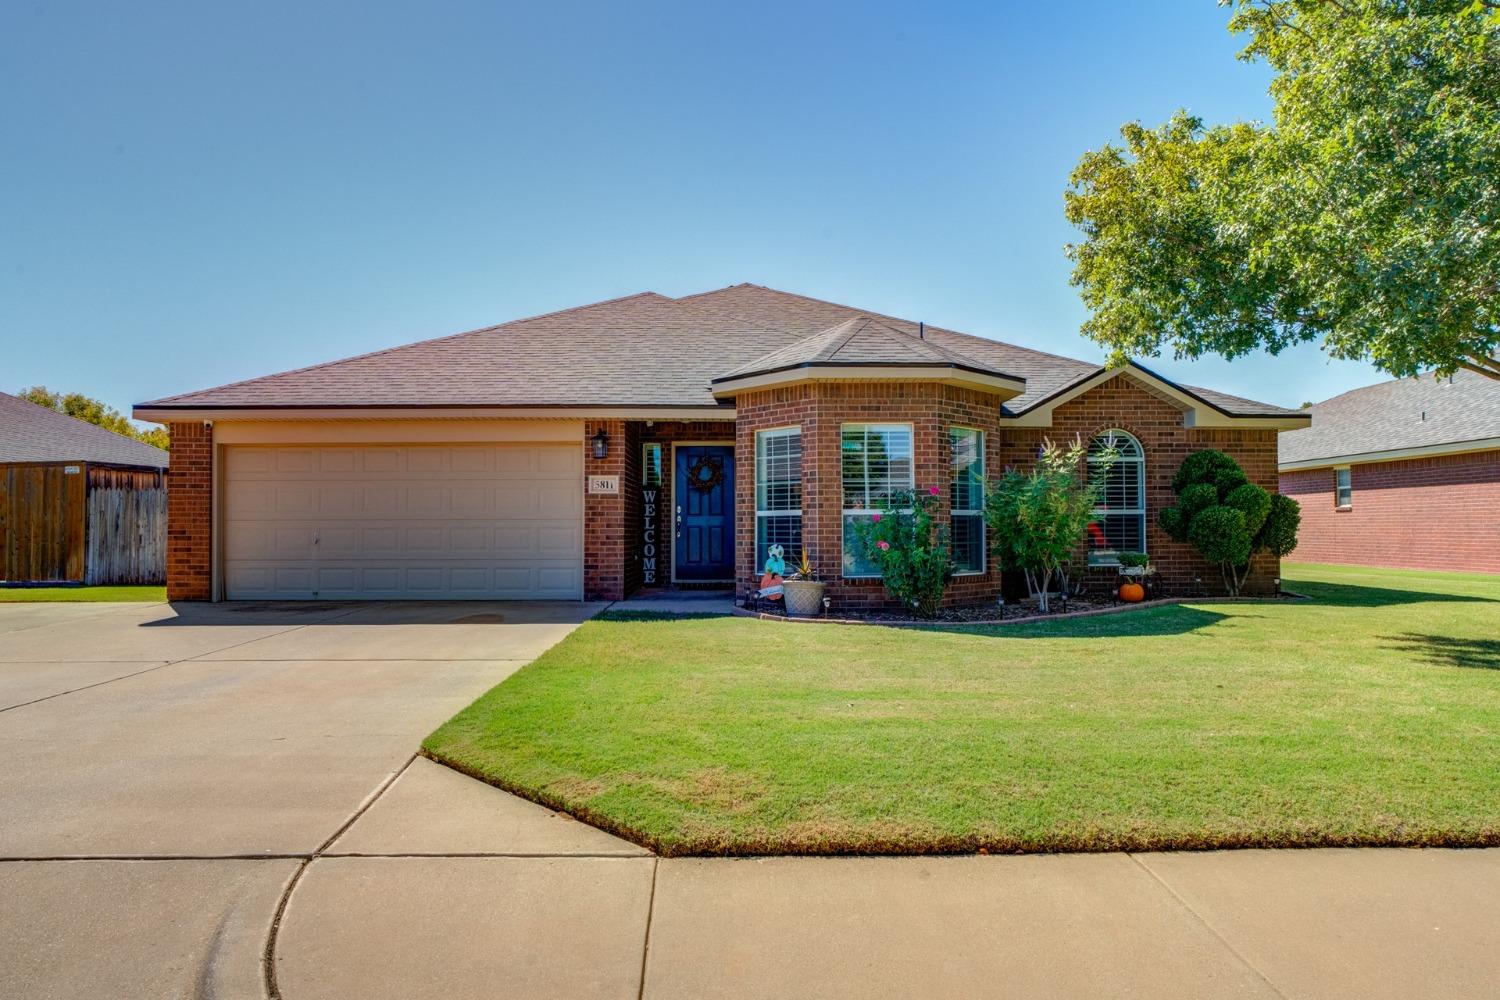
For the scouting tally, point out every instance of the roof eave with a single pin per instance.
(1197, 411)
(997, 384)
(210, 412)
(1392, 454)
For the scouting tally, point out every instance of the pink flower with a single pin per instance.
(876, 518)
(933, 490)
(883, 546)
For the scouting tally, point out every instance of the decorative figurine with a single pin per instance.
(775, 569)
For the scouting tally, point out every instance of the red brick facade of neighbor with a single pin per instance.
(1421, 461)
(361, 478)
(1438, 513)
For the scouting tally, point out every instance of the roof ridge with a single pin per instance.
(414, 343)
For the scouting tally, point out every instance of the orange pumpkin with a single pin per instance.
(1132, 592)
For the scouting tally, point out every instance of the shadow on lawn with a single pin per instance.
(1352, 596)
(1448, 651)
(1173, 620)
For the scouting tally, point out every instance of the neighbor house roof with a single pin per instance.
(644, 350)
(32, 433)
(1422, 414)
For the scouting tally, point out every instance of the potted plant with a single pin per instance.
(802, 591)
(1135, 567)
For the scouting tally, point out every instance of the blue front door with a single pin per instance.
(703, 502)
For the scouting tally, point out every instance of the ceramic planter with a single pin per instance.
(804, 598)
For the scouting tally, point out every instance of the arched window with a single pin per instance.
(1120, 518)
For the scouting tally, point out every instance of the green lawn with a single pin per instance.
(1367, 715)
(15, 595)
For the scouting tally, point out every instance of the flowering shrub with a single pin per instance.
(909, 543)
(1037, 519)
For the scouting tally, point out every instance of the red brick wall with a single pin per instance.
(1126, 404)
(1123, 403)
(604, 515)
(1423, 513)
(663, 432)
(190, 513)
(821, 409)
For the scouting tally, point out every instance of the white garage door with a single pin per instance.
(419, 521)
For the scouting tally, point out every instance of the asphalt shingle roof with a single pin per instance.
(1406, 413)
(31, 433)
(640, 350)
(857, 341)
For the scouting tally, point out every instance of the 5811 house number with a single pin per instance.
(604, 484)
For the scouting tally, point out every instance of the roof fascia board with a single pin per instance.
(1197, 412)
(187, 414)
(1005, 387)
(1394, 454)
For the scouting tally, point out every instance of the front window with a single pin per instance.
(1343, 488)
(651, 464)
(778, 493)
(966, 498)
(877, 463)
(1120, 519)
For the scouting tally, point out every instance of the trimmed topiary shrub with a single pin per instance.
(1226, 517)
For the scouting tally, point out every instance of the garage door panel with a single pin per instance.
(391, 522)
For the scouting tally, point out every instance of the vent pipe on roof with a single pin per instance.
(921, 331)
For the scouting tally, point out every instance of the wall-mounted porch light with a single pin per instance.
(601, 444)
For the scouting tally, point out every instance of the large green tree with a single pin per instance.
(90, 410)
(1366, 215)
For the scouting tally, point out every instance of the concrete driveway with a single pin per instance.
(223, 802)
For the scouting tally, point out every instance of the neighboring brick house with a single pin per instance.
(1404, 473)
(651, 442)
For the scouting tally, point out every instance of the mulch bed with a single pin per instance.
(995, 614)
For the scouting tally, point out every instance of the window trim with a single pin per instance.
(984, 549)
(1345, 472)
(1110, 559)
(760, 435)
(846, 512)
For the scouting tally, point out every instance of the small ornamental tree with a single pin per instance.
(1226, 517)
(1038, 519)
(909, 544)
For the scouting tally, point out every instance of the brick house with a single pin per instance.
(650, 442)
(1404, 473)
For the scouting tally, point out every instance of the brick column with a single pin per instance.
(604, 516)
(190, 513)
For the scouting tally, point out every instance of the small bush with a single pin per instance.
(910, 545)
(1279, 534)
(1253, 502)
(1226, 517)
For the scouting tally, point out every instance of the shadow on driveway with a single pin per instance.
(293, 613)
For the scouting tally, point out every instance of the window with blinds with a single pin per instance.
(778, 493)
(966, 498)
(1120, 519)
(877, 463)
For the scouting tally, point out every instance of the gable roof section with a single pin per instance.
(1422, 414)
(32, 433)
(633, 353)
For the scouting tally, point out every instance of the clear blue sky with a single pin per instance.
(196, 193)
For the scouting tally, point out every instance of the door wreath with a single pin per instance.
(705, 473)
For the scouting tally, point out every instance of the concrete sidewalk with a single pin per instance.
(184, 793)
(526, 903)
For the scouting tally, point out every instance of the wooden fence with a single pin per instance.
(41, 522)
(127, 535)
